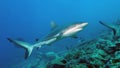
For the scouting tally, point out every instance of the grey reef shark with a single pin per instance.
(55, 35)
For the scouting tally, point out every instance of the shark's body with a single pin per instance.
(54, 36)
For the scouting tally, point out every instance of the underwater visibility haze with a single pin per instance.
(24, 22)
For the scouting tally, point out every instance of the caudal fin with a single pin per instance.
(24, 45)
(112, 28)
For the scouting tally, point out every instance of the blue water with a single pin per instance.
(30, 19)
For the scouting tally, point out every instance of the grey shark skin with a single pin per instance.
(69, 31)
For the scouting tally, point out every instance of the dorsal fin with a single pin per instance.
(53, 25)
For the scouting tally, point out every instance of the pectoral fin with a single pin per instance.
(74, 36)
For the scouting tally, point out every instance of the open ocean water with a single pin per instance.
(30, 20)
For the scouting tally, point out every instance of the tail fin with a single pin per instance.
(24, 45)
(112, 28)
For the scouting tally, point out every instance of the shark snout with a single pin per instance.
(83, 24)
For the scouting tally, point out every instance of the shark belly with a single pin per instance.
(71, 32)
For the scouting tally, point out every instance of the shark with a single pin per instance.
(109, 26)
(114, 27)
(55, 35)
